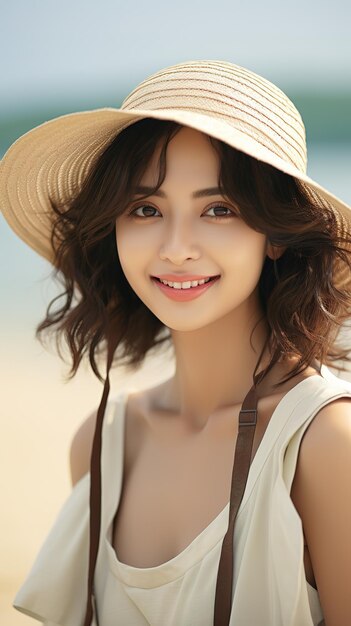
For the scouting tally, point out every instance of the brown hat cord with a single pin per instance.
(241, 466)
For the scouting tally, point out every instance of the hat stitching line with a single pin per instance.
(88, 124)
(291, 113)
(250, 76)
(152, 96)
(33, 239)
(88, 156)
(281, 151)
(291, 162)
(37, 221)
(285, 105)
(21, 188)
(68, 166)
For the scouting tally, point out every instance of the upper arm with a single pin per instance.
(322, 487)
(80, 449)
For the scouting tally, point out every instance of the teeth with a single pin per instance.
(185, 285)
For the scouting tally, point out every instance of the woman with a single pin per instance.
(186, 219)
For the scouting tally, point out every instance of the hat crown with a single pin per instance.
(246, 101)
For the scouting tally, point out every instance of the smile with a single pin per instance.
(186, 292)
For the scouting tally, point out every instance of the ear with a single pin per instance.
(275, 252)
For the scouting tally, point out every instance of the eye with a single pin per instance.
(221, 207)
(142, 206)
(215, 207)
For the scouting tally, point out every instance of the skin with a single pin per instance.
(211, 334)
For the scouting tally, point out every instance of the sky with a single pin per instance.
(54, 48)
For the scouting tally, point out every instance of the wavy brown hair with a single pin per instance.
(300, 297)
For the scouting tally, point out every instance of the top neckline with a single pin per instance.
(207, 539)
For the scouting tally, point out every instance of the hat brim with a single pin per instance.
(53, 159)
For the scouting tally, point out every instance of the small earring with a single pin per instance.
(270, 251)
(276, 251)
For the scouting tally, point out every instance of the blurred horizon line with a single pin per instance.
(326, 115)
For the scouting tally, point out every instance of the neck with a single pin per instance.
(214, 367)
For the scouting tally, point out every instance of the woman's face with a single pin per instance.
(180, 233)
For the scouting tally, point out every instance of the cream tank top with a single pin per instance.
(269, 585)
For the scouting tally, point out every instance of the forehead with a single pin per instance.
(190, 156)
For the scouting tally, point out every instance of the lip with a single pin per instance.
(183, 295)
(182, 278)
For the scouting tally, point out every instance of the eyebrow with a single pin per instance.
(200, 193)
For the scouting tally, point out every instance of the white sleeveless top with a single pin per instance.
(269, 586)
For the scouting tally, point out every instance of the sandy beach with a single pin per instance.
(39, 416)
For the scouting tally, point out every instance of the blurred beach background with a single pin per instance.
(60, 57)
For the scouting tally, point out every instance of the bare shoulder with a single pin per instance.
(321, 495)
(327, 437)
(328, 433)
(80, 449)
(82, 441)
(332, 420)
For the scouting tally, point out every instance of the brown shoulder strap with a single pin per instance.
(95, 498)
(247, 425)
(241, 466)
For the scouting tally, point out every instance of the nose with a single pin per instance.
(179, 243)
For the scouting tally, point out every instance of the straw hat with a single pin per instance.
(219, 98)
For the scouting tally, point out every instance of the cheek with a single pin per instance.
(243, 249)
(242, 262)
